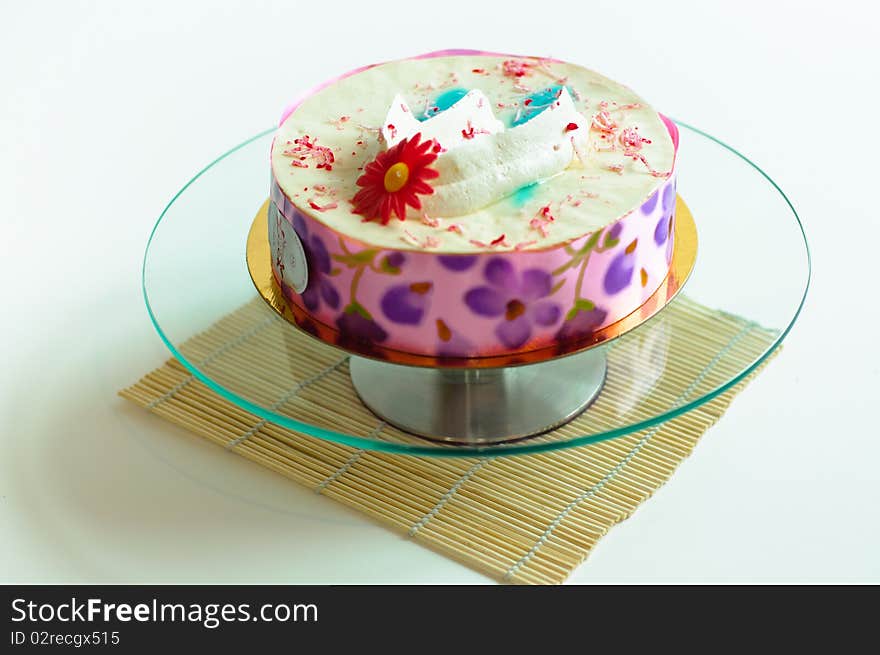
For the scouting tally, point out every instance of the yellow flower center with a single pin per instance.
(396, 177)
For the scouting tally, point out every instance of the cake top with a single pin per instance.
(476, 152)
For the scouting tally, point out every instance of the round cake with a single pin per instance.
(464, 204)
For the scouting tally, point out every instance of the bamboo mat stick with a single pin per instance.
(526, 519)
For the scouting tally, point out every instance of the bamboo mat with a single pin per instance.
(523, 519)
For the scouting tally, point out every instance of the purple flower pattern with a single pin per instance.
(457, 263)
(614, 231)
(358, 329)
(668, 198)
(407, 303)
(582, 324)
(452, 344)
(661, 231)
(320, 287)
(650, 203)
(396, 259)
(619, 273)
(518, 299)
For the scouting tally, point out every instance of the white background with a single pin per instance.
(105, 105)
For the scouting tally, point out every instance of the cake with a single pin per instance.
(464, 204)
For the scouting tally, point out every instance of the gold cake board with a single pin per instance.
(523, 519)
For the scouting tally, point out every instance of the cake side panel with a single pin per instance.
(471, 305)
(619, 279)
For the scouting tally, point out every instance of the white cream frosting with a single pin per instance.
(489, 166)
(583, 180)
(473, 111)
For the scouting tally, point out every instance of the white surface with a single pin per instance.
(109, 107)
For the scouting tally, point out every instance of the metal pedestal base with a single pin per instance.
(473, 406)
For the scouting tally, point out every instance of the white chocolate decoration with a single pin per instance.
(465, 120)
(484, 167)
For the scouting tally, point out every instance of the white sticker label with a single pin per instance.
(287, 251)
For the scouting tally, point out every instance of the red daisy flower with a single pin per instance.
(395, 179)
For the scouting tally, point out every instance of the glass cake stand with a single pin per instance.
(479, 400)
(753, 265)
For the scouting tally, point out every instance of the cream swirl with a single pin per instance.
(481, 161)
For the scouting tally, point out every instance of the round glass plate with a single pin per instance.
(753, 269)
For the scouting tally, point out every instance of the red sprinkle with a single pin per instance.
(571, 126)
(539, 225)
(319, 208)
(495, 242)
(428, 242)
(304, 147)
(541, 220)
(603, 122)
(515, 68)
(471, 131)
(632, 141)
(339, 122)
